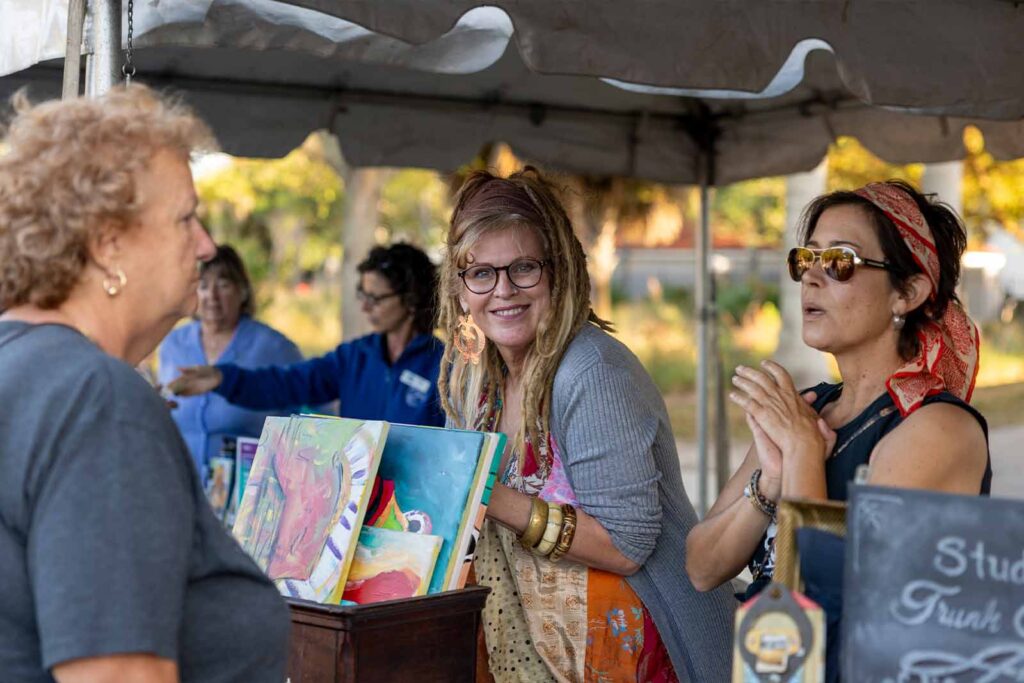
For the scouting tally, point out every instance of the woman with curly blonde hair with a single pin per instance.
(585, 540)
(112, 564)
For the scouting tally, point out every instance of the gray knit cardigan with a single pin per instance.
(612, 429)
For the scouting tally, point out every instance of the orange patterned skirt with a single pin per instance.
(563, 621)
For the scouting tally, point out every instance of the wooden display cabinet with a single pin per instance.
(422, 640)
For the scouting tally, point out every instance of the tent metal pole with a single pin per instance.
(721, 421)
(73, 50)
(103, 65)
(701, 296)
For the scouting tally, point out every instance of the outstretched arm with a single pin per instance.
(275, 387)
(195, 380)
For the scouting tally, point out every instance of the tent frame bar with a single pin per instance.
(102, 66)
(705, 137)
(73, 49)
(537, 113)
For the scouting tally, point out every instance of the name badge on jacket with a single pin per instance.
(419, 388)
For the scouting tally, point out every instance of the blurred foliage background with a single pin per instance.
(284, 216)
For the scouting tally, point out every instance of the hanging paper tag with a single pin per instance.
(780, 637)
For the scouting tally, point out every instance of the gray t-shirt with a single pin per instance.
(107, 544)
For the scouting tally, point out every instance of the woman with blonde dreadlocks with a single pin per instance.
(584, 546)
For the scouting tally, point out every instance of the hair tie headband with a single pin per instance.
(498, 196)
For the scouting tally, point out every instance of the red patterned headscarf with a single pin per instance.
(948, 356)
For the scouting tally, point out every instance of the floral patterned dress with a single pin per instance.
(564, 621)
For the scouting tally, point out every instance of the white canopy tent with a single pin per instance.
(605, 88)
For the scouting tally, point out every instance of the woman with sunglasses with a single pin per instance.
(878, 271)
(587, 523)
(390, 374)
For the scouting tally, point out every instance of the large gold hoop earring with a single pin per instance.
(469, 340)
(114, 282)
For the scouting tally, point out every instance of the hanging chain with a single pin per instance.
(128, 68)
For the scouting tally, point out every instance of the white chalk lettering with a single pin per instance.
(990, 566)
(1002, 661)
(960, 619)
(918, 601)
(953, 559)
(921, 601)
(951, 548)
(1018, 622)
(978, 555)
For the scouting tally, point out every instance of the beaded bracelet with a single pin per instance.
(551, 532)
(568, 533)
(757, 499)
(534, 530)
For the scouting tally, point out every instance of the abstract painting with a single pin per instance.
(434, 472)
(483, 484)
(390, 565)
(245, 454)
(305, 500)
(218, 486)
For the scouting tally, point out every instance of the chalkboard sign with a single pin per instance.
(933, 588)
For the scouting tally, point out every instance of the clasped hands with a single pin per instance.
(786, 429)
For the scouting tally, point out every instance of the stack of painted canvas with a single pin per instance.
(422, 493)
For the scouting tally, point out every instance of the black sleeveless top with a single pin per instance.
(854, 443)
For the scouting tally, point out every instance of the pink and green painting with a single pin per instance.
(390, 565)
(305, 500)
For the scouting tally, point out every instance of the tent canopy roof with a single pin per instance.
(962, 56)
(435, 84)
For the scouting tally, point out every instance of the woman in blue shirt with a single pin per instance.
(224, 332)
(390, 374)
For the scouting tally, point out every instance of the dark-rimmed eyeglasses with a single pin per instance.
(374, 299)
(838, 263)
(523, 273)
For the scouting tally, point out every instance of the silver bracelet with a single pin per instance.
(753, 492)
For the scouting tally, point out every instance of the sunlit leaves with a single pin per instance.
(850, 166)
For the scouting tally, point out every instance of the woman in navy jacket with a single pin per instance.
(390, 374)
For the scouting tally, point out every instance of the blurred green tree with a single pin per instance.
(992, 189)
(281, 215)
(851, 165)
